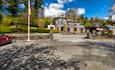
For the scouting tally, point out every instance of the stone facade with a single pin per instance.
(63, 24)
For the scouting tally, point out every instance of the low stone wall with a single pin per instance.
(32, 36)
(95, 36)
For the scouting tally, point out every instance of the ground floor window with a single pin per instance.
(75, 29)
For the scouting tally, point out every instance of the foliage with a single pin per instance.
(43, 30)
(56, 31)
(87, 24)
(37, 5)
(34, 23)
(71, 14)
(65, 27)
(24, 29)
(7, 29)
(112, 10)
(33, 29)
(40, 30)
(48, 21)
(1, 3)
(41, 23)
(6, 21)
(13, 7)
(19, 21)
(1, 18)
(9, 20)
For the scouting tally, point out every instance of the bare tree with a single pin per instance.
(71, 14)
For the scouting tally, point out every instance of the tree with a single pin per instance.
(1, 3)
(65, 27)
(41, 23)
(112, 9)
(48, 21)
(87, 23)
(1, 16)
(13, 7)
(37, 6)
(71, 14)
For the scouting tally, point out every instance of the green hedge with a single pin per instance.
(43, 30)
(56, 31)
(23, 30)
(7, 30)
(36, 30)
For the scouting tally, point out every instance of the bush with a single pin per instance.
(39, 30)
(40, 23)
(56, 31)
(43, 30)
(7, 29)
(48, 21)
(6, 21)
(33, 30)
(19, 21)
(1, 18)
(22, 29)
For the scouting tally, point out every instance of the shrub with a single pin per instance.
(56, 31)
(34, 29)
(39, 30)
(41, 23)
(43, 30)
(6, 21)
(65, 27)
(19, 21)
(22, 29)
(7, 29)
(1, 18)
(48, 21)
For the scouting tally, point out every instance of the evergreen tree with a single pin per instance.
(1, 16)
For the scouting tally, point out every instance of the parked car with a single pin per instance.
(4, 39)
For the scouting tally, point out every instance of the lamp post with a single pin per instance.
(29, 13)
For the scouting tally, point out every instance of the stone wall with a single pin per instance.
(32, 36)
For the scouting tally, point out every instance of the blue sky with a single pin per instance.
(92, 8)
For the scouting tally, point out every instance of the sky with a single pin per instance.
(89, 8)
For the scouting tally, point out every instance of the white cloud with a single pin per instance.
(64, 1)
(113, 17)
(56, 9)
(81, 11)
(106, 18)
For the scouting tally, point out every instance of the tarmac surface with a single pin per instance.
(92, 54)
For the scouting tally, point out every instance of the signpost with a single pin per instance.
(29, 13)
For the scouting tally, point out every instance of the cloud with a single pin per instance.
(106, 18)
(81, 11)
(113, 17)
(56, 9)
(64, 1)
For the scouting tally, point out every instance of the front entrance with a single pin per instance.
(62, 29)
